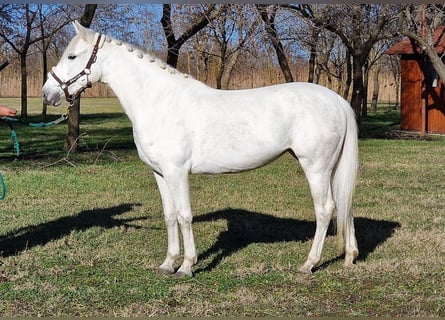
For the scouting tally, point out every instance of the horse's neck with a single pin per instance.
(139, 80)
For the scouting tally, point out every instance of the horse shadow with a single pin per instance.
(27, 237)
(246, 227)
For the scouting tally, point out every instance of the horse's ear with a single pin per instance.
(85, 33)
(77, 26)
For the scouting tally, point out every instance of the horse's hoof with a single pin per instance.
(164, 272)
(350, 258)
(182, 274)
(305, 270)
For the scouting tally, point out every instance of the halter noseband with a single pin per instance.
(64, 85)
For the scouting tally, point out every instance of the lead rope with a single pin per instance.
(15, 140)
(17, 151)
(3, 187)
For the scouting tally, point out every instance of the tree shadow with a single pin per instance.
(48, 142)
(246, 227)
(30, 236)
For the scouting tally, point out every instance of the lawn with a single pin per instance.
(82, 234)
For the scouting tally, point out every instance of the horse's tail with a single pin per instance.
(343, 182)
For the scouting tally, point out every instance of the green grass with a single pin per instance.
(379, 125)
(82, 234)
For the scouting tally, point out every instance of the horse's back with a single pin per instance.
(299, 110)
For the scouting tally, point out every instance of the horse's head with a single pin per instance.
(77, 69)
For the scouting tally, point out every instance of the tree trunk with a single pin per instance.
(348, 76)
(222, 65)
(72, 137)
(365, 98)
(269, 21)
(357, 86)
(312, 57)
(44, 60)
(88, 15)
(365, 89)
(172, 44)
(45, 76)
(282, 60)
(219, 74)
(230, 65)
(375, 93)
(24, 85)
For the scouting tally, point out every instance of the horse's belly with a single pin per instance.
(228, 161)
(238, 145)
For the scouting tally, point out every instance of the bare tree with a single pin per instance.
(419, 22)
(17, 29)
(328, 57)
(29, 26)
(363, 26)
(52, 18)
(374, 63)
(231, 31)
(268, 15)
(199, 22)
(136, 24)
(376, 88)
(314, 17)
(360, 27)
(391, 65)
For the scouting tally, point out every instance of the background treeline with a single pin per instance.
(238, 46)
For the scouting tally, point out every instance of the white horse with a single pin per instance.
(182, 126)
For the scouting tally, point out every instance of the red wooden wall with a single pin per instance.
(412, 97)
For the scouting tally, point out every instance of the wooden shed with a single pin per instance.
(422, 92)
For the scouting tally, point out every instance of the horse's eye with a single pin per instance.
(72, 56)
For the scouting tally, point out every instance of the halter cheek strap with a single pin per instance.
(64, 85)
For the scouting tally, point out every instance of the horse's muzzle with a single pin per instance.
(52, 97)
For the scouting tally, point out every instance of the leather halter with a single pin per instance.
(64, 85)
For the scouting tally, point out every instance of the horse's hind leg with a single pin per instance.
(351, 248)
(320, 185)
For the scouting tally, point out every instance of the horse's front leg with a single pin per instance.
(177, 183)
(171, 222)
